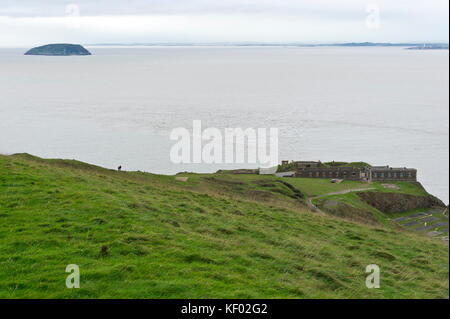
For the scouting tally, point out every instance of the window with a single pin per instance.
(401, 174)
(382, 174)
(375, 175)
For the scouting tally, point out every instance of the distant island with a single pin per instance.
(59, 49)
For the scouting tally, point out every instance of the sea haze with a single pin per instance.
(117, 107)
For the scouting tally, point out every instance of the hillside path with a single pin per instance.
(317, 210)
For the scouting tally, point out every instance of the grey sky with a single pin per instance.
(32, 22)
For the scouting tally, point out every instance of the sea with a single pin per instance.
(381, 105)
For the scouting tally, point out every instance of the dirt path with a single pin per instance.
(317, 210)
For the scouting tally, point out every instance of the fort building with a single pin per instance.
(306, 164)
(311, 169)
(334, 172)
(386, 173)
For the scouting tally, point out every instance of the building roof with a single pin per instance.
(307, 162)
(383, 168)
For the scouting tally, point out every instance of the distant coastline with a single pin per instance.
(430, 47)
(407, 45)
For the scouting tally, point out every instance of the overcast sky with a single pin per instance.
(34, 22)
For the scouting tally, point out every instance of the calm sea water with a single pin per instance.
(118, 106)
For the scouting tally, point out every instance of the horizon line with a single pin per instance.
(250, 43)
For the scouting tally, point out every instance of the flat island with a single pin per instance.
(59, 49)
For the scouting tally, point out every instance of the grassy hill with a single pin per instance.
(212, 236)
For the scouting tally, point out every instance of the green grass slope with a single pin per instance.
(210, 237)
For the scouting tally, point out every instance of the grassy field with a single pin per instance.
(214, 236)
(308, 186)
(354, 209)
